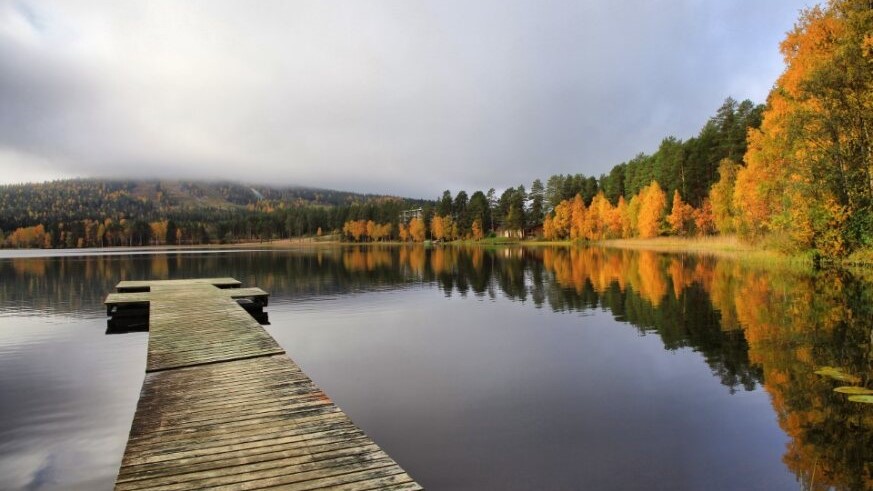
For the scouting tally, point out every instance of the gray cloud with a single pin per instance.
(403, 97)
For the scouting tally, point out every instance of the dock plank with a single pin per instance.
(133, 286)
(222, 406)
(196, 323)
(145, 297)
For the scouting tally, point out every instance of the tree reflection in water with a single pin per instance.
(753, 325)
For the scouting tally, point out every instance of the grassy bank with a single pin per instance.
(731, 246)
(718, 246)
(284, 243)
(721, 246)
(727, 244)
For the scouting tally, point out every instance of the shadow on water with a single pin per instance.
(753, 326)
(135, 318)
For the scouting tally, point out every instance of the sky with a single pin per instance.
(397, 97)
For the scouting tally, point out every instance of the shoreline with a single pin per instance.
(729, 247)
(718, 246)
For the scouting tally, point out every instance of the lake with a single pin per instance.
(509, 368)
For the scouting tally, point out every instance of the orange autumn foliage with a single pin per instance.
(681, 218)
(416, 230)
(652, 204)
(808, 178)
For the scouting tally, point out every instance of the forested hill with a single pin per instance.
(24, 205)
(127, 212)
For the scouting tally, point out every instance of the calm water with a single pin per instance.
(479, 369)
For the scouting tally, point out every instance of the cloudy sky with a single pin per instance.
(401, 97)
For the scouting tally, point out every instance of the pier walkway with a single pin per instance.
(222, 406)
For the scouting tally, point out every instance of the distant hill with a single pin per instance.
(100, 212)
(23, 205)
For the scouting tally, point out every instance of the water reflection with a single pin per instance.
(753, 326)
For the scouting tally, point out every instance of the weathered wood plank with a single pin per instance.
(133, 286)
(222, 407)
(137, 298)
(229, 459)
(195, 323)
(302, 461)
(315, 446)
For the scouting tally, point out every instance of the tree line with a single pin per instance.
(796, 173)
(576, 206)
(100, 213)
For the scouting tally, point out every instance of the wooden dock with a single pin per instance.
(222, 406)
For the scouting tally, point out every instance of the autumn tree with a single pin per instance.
(437, 228)
(809, 172)
(681, 218)
(600, 218)
(562, 219)
(417, 230)
(721, 197)
(651, 212)
(355, 229)
(549, 231)
(626, 227)
(26, 237)
(704, 220)
(578, 224)
(159, 231)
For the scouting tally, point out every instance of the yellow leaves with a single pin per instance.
(578, 226)
(807, 46)
(622, 210)
(443, 228)
(159, 230)
(357, 229)
(757, 192)
(832, 241)
(721, 197)
(813, 145)
(35, 236)
(644, 217)
(416, 230)
(549, 231)
(652, 204)
(601, 219)
(562, 219)
(437, 229)
(867, 46)
(681, 218)
(704, 221)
